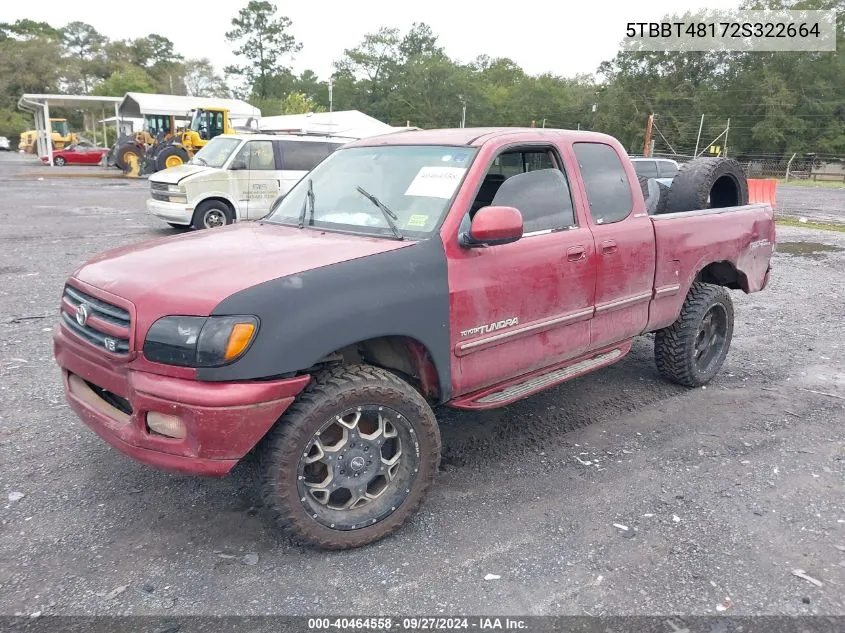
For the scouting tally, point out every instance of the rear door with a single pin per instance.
(624, 243)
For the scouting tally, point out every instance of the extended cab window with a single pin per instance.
(608, 190)
(257, 155)
(530, 181)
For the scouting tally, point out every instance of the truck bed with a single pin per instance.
(734, 244)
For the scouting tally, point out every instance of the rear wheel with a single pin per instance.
(212, 214)
(352, 459)
(691, 350)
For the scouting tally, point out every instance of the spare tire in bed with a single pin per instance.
(707, 183)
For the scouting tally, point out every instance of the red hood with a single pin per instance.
(191, 273)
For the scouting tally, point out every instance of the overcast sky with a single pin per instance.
(564, 37)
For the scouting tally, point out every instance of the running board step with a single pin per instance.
(498, 396)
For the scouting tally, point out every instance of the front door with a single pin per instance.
(522, 306)
(262, 183)
(624, 241)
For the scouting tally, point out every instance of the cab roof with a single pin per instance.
(283, 137)
(476, 136)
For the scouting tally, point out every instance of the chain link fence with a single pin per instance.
(817, 168)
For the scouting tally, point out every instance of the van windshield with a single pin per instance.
(416, 182)
(216, 153)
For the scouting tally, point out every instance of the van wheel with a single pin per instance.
(691, 350)
(352, 458)
(211, 214)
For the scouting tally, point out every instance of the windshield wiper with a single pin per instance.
(200, 160)
(306, 207)
(389, 216)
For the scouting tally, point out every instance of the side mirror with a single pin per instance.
(238, 165)
(492, 226)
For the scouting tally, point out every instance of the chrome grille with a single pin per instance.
(104, 325)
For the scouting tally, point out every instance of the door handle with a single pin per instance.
(608, 247)
(576, 253)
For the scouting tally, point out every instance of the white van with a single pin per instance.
(235, 177)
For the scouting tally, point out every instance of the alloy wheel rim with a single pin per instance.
(711, 337)
(214, 218)
(358, 468)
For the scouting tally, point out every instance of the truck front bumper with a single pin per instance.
(222, 422)
(173, 212)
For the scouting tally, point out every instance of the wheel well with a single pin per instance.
(218, 199)
(723, 274)
(401, 354)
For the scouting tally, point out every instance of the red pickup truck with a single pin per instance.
(468, 267)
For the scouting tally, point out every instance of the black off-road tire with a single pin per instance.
(209, 210)
(643, 180)
(126, 149)
(720, 180)
(675, 346)
(661, 202)
(170, 151)
(328, 394)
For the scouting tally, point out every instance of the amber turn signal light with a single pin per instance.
(238, 340)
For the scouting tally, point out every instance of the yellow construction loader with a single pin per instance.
(60, 135)
(130, 150)
(206, 123)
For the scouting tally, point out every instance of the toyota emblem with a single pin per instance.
(82, 314)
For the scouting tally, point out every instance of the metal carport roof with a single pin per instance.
(39, 105)
(137, 104)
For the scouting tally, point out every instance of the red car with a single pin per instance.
(468, 267)
(77, 155)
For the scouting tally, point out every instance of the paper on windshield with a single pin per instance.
(435, 182)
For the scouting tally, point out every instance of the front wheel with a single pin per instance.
(212, 214)
(352, 458)
(691, 350)
(58, 161)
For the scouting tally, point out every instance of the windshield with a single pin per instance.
(216, 153)
(416, 183)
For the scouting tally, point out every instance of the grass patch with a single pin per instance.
(813, 184)
(821, 226)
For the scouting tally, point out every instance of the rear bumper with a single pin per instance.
(223, 421)
(173, 212)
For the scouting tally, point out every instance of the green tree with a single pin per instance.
(84, 46)
(263, 42)
(27, 29)
(299, 103)
(201, 80)
(128, 79)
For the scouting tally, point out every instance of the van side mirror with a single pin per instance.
(238, 165)
(492, 226)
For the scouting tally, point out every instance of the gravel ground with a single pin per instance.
(724, 490)
(815, 203)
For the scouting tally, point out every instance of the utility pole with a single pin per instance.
(727, 129)
(647, 144)
(544, 122)
(463, 111)
(698, 138)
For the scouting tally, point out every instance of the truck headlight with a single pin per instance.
(199, 341)
(175, 189)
